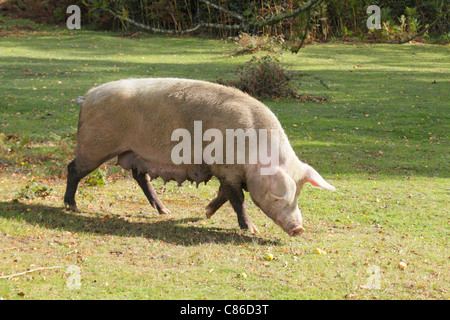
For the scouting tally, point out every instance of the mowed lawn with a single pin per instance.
(381, 138)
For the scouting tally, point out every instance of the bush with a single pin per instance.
(264, 77)
(246, 43)
(96, 178)
(34, 190)
(49, 11)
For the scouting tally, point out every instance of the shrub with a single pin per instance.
(96, 178)
(49, 11)
(246, 43)
(444, 39)
(264, 77)
(33, 190)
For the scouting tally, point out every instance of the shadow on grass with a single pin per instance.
(170, 230)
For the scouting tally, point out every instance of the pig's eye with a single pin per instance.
(281, 203)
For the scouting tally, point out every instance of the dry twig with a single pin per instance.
(29, 271)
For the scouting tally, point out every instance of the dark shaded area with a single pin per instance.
(171, 230)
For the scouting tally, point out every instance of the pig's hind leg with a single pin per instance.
(75, 172)
(144, 181)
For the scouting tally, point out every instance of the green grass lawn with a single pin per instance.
(381, 139)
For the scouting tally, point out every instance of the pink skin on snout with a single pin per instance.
(291, 221)
(296, 231)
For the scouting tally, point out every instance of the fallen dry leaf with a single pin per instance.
(320, 251)
(402, 265)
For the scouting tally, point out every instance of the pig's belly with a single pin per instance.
(167, 170)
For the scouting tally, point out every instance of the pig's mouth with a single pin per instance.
(296, 231)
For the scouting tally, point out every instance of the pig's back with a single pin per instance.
(177, 103)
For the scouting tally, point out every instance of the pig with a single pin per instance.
(134, 120)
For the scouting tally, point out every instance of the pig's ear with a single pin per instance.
(282, 186)
(313, 177)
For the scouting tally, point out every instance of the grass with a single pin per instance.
(381, 139)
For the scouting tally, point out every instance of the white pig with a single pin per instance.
(134, 120)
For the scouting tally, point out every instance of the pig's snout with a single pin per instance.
(296, 231)
(291, 222)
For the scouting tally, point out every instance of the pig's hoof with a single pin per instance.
(71, 207)
(252, 228)
(164, 211)
(209, 212)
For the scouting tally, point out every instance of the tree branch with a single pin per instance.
(296, 49)
(244, 25)
(231, 13)
(277, 18)
(167, 31)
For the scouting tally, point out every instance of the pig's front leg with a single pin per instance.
(143, 179)
(216, 203)
(236, 197)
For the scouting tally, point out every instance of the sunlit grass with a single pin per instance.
(381, 139)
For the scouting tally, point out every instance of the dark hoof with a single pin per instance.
(71, 207)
